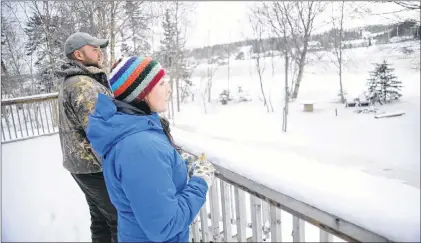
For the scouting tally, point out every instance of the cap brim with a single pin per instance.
(102, 43)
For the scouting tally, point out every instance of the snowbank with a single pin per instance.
(384, 206)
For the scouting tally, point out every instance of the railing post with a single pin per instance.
(265, 219)
(204, 223)
(256, 218)
(226, 206)
(297, 230)
(325, 236)
(275, 224)
(214, 207)
(240, 207)
(195, 229)
(232, 196)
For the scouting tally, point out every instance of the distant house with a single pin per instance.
(244, 52)
(366, 34)
(314, 45)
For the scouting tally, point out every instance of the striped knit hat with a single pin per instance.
(133, 78)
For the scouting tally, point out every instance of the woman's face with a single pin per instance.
(159, 96)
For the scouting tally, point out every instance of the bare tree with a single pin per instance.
(228, 51)
(258, 31)
(296, 19)
(411, 5)
(211, 70)
(175, 24)
(338, 45)
(204, 79)
(279, 25)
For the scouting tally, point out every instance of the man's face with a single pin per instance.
(89, 56)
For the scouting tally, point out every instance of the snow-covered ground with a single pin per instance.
(40, 201)
(388, 147)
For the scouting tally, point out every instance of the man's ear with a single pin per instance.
(78, 55)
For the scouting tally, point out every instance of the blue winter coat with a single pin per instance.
(145, 176)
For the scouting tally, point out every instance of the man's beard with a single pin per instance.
(92, 63)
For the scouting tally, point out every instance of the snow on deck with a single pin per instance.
(40, 200)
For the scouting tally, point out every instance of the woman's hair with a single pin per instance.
(144, 107)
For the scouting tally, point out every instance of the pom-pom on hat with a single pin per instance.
(132, 78)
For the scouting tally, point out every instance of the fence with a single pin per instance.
(237, 209)
(28, 117)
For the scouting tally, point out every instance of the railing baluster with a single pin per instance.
(275, 224)
(30, 119)
(195, 229)
(56, 113)
(8, 122)
(53, 121)
(2, 132)
(40, 115)
(232, 196)
(25, 119)
(20, 124)
(265, 219)
(297, 230)
(204, 223)
(325, 236)
(240, 207)
(226, 206)
(214, 207)
(36, 117)
(46, 117)
(256, 218)
(13, 119)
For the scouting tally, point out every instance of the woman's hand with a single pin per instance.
(204, 169)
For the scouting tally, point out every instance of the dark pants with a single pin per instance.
(103, 212)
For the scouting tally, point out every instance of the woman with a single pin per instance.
(146, 177)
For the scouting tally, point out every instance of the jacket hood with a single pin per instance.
(73, 68)
(107, 125)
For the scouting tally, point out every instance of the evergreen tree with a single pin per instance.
(168, 42)
(47, 32)
(137, 30)
(383, 85)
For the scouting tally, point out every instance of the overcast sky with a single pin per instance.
(216, 22)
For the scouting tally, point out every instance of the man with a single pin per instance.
(83, 80)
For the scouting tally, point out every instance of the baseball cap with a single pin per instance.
(80, 39)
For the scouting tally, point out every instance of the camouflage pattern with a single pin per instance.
(76, 100)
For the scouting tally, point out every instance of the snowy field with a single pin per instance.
(40, 201)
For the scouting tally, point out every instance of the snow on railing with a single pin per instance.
(257, 216)
(30, 116)
(299, 200)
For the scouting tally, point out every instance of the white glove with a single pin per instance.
(204, 169)
(189, 160)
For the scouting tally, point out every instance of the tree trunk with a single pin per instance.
(209, 89)
(340, 54)
(229, 54)
(285, 110)
(259, 72)
(172, 115)
(178, 64)
(286, 81)
(103, 29)
(112, 33)
(301, 66)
